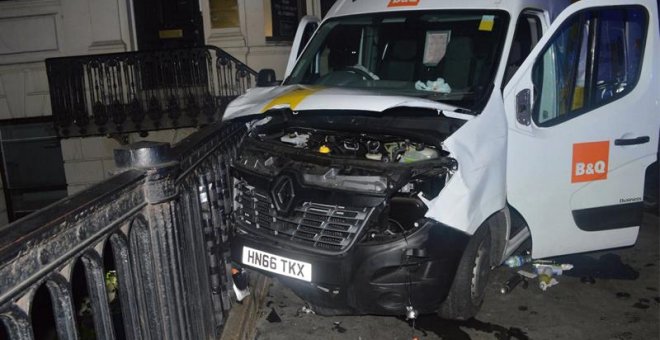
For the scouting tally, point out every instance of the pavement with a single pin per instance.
(611, 294)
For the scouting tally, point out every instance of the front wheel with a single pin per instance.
(467, 291)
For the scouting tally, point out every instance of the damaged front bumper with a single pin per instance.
(372, 277)
(350, 227)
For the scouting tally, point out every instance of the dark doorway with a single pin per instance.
(165, 24)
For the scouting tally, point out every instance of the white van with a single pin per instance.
(415, 144)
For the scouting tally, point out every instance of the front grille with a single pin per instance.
(321, 227)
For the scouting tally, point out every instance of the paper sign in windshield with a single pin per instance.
(435, 47)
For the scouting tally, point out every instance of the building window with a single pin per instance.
(281, 18)
(224, 13)
(33, 169)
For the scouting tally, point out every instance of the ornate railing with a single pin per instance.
(142, 91)
(142, 255)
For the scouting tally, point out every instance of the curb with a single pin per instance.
(242, 318)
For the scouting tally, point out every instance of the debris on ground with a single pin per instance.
(546, 273)
(544, 270)
(517, 260)
(545, 283)
(512, 282)
(241, 294)
(305, 310)
(273, 316)
(240, 283)
(528, 275)
(338, 328)
(554, 269)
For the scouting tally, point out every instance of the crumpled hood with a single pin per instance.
(303, 98)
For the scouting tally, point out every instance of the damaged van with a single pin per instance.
(415, 144)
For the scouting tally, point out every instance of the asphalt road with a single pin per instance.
(622, 302)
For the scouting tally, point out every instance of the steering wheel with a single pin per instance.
(361, 71)
(608, 89)
(346, 76)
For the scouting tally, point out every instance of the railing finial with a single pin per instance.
(143, 155)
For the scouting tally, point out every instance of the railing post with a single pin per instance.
(159, 270)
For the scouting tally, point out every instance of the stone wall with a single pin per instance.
(33, 30)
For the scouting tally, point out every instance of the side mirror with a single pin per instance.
(266, 78)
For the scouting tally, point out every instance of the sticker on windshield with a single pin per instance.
(590, 161)
(403, 3)
(487, 23)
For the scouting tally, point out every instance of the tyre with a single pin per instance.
(652, 189)
(467, 291)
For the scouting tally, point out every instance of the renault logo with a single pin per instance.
(283, 194)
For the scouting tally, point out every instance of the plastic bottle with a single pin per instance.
(517, 261)
(556, 269)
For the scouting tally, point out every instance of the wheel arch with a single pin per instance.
(499, 224)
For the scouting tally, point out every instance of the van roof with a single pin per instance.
(351, 7)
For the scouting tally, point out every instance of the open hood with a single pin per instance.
(303, 98)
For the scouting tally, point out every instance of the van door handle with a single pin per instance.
(632, 141)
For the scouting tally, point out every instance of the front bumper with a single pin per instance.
(372, 278)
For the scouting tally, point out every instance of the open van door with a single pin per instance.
(583, 117)
(306, 28)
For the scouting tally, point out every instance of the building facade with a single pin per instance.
(37, 166)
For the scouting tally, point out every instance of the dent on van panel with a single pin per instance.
(477, 189)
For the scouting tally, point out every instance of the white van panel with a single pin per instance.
(477, 189)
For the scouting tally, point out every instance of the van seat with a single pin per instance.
(399, 61)
(458, 63)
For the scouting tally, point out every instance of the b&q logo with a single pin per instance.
(590, 161)
(403, 3)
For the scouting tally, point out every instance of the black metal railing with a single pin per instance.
(143, 91)
(150, 245)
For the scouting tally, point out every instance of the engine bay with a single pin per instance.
(361, 166)
(381, 148)
(342, 187)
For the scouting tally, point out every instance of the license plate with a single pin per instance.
(277, 264)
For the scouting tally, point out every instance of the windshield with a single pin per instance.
(449, 56)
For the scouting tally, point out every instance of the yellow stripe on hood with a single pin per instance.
(290, 99)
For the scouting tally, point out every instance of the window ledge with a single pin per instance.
(226, 37)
